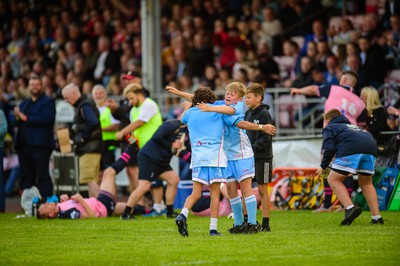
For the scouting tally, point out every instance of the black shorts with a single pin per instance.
(157, 183)
(107, 159)
(149, 169)
(263, 172)
(127, 157)
(108, 200)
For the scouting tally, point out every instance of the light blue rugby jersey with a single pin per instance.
(236, 143)
(206, 137)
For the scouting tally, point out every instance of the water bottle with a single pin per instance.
(35, 206)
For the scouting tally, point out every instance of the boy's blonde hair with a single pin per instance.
(257, 89)
(331, 114)
(373, 101)
(237, 87)
(135, 88)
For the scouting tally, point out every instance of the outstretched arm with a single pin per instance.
(308, 90)
(185, 95)
(222, 109)
(267, 128)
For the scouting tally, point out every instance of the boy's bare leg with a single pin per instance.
(336, 182)
(265, 202)
(369, 193)
(172, 179)
(142, 188)
(214, 194)
(108, 181)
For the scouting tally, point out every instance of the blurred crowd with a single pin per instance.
(277, 43)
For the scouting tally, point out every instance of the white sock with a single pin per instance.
(376, 217)
(185, 212)
(157, 207)
(349, 207)
(213, 223)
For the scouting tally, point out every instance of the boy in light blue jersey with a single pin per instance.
(240, 156)
(239, 152)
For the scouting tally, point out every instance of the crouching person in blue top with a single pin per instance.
(353, 151)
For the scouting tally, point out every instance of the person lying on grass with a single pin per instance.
(77, 207)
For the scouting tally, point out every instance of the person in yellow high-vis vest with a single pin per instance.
(109, 127)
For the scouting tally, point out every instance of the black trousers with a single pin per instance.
(34, 165)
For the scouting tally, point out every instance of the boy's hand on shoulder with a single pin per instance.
(203, 107)
(269, 129)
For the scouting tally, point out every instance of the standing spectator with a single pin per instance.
(3, 132)
(109, 127)
(87, 137)
(34, 143)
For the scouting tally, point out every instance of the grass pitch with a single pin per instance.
(297, 238)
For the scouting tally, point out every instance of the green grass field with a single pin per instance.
(297, 238)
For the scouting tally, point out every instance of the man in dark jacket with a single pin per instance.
(353, 151)
(87, 137)
(34, 142)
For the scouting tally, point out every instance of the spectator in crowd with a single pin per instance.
(200, 56)
(353, 63)
(305, 77)
(87, 138)
(291, 49)
(107, 63)
(34, 142)
(109, 127)
(3, 132)
(353, 151)
(272, 29)
(318, 35)
(373, 59)
(374, 115)
(332, 70)
(267, 64)
(345, 33)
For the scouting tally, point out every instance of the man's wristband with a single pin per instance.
(260, 126)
